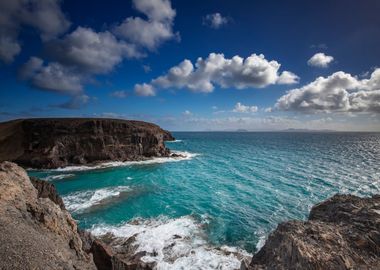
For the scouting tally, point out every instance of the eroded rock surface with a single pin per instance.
(35, 233)
(52, 143)
(341, 233)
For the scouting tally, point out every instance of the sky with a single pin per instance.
(210, 65)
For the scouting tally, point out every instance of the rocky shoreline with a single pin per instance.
(38, 233)
(47, 143)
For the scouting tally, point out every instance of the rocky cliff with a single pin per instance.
(52, 143)
(341, 233)
(35, 233)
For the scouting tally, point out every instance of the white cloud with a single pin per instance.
(144, 90)
(253, 72)
(288, 77)
(119, 94)
(320, 60)
(339, 92)
(45, 16)
(157, 10)
(53, 76)
(215, 20)
(30, 68)
(152, 32)
(90, 51)
(84, 53)
(58, 78)
(240, 108)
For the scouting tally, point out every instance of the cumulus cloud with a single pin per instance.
(252, 72)
(77, 57)
(288, 77)
(151, 32)
(320, 60)
(44, 15)
(240, 108)
(30, 68)
(59, 78)
(90, 51)
(215, 20)
(339, 92)
(144, 90)
(52, 76)
(84, 53)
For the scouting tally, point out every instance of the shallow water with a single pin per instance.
(232, 189)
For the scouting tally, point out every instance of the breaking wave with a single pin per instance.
(83, 200)
(178, 156)
(178, 243)
(58, 176)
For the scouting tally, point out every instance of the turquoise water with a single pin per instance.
(239, 186)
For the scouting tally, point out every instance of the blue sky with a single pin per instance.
(265, 65)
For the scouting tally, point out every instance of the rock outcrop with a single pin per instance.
(47, 190)
(52, 143)
(35, 233)
(341, 233)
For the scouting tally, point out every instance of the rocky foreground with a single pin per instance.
(58, 142)
(36, 232)
(342, 232)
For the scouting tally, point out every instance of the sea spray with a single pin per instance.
(177, 243)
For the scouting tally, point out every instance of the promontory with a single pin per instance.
(58, 142)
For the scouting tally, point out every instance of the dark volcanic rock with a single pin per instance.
(47, 190)
(342, 233)
(52, 143)
(35, 233)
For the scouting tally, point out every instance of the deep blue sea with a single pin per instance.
(230, 191)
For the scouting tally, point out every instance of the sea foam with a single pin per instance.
(180, 156)
(178, 243)
(83, 200)
(58, 176)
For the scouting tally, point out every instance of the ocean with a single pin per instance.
(218, 203)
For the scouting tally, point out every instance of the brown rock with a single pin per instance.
(47, 190)
(342, 233)
(52, 143)
(35, 233)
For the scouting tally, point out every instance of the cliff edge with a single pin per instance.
(342, 232)
(58, 142)
(35, 233)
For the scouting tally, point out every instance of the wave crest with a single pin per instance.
(179, 156)
(83, 200)
(178, 243)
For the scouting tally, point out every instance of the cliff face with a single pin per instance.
(341, 233)
(35, 233)
(52, 143)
